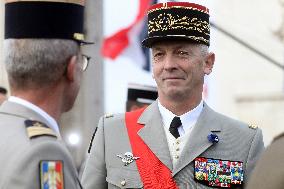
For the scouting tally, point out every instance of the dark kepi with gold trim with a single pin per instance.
(178, 21)
(44, 19)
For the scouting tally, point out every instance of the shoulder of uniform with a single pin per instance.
(108, 115)
(36, 128)
(252, 126)
(113, 117)
(278, 136)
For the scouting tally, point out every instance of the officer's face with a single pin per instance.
(179, 69)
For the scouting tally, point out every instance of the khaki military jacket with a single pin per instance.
(20, 155)
(105, 170)
(269, 170)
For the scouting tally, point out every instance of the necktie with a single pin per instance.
(175, 124)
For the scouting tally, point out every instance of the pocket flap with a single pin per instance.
(124, 178)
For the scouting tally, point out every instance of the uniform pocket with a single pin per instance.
(124, 178)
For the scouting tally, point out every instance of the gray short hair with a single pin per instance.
(204, 49)
(37, 62)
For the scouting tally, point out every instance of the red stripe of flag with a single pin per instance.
(59, 175)
(115, 44)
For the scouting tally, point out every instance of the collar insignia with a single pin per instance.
(252, 126)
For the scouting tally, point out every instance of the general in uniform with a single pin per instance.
(178, 141)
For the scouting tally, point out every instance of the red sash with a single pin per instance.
(153, 173)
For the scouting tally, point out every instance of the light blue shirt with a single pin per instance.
(52, 123)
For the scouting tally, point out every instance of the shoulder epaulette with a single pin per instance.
(36, 128)
(252, 126)
(108, 115)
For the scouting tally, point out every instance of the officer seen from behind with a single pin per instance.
(45, 64)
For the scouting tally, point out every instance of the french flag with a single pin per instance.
(127, 41)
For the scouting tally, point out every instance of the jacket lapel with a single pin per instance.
(153, 134)
(198, 141)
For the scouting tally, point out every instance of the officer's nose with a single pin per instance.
(169, 63)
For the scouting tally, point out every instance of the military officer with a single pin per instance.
(44, 65)
(269, 172)
(3, 94)
(178, 141)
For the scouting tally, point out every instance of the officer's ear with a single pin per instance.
(71, 68)
(209, 63)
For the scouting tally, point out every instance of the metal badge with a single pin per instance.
(127, 158)
(252, 126)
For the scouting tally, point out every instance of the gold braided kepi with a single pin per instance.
(179, 21)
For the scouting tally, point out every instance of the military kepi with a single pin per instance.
(178, 21)
(46, 19)
(142, 93)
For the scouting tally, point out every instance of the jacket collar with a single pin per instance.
(18, 110)
(154, 136)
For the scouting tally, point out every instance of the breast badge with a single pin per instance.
(127, 158)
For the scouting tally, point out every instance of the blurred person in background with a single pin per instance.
(44, 62)
(139, 96)
(178, 141)
(269, 169)
(3, 94)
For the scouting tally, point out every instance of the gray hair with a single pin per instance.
(204, 49)
(37, 62)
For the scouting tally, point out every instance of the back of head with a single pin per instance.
(32, 63)
(40, 37)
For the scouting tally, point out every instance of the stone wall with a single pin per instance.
(245, 85)
(265, 111)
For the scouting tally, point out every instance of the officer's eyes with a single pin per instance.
(183, 53)
(158, 54)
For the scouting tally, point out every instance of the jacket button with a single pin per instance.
(123, 183)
